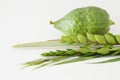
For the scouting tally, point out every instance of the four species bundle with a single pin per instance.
(86, 36)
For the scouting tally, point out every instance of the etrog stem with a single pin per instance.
(51, 22)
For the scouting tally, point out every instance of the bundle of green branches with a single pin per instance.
(81, 41)
(85, 50)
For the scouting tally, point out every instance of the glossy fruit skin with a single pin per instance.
(81, 20)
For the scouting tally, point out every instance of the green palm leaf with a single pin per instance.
(47, 44)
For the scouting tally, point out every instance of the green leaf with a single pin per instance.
(117, 38)
(35, 62)
(103, 51)
(115, 48)
(100, 39)
(110, 38)
(77, 59)
(116, 53)
(44, 62)
(66, 39)
(108, 61)
(57, 59)
(91, 37)
(68, 52)
(81, 38)
(84, 50)
(51, 43)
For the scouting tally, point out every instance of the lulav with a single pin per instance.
(85, 52)
(107, 38)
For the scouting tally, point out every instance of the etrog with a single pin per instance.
(87, 19)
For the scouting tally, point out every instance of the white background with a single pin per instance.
(28, 21)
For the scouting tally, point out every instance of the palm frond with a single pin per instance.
(47, 44)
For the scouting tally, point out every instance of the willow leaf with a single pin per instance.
(57, 59)
(108, 61)
(77, 59)
(35, 62)
(44, 62)
(42, 65)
